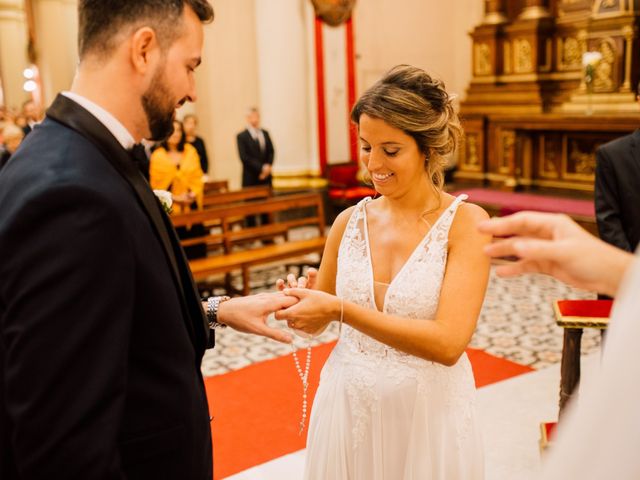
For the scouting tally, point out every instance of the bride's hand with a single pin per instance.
(313, 312)
(302, 282)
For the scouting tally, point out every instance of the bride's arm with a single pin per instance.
(442, 339)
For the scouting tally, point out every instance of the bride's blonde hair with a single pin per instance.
(410, 100)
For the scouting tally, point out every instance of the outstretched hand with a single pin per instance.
(312, 312)
(555, 245)
(249, 314)
(302, 282)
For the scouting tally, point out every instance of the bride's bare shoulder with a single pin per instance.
(466, 221)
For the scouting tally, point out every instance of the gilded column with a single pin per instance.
(13, 52)
(628, 39)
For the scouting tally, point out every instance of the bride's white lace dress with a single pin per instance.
(380, 413)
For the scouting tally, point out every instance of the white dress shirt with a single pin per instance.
(112, 123)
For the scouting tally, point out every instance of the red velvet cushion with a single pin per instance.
(511, 202)
(359, 192)
(550, 429)
(352, 193)
(585, 308)
(344, 175)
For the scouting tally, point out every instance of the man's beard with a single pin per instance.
(159, 108)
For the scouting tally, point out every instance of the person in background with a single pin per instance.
(256, 153)
(31, 114)
(12, 136)
(3, 116)
(21, 121)
(616, 191)
(175, 166)
(190, 124)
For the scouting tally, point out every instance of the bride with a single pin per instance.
(405, 276)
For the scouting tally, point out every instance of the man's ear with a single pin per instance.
(144, 49)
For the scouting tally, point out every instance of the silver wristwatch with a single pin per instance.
(213, 303)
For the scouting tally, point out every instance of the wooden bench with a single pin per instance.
(237, 245)
(216, 186)
(246, 194)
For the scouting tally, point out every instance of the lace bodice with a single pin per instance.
(413, 293)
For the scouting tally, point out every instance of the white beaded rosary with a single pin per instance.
(304, 376)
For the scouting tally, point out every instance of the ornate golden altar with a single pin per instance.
(532, 115)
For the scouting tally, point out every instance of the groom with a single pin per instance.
(101, 329)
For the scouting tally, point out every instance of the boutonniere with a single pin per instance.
(166, 200)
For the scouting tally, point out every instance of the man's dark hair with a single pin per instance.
(100, 21)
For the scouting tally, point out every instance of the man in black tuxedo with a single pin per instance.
(256, 153)
(102, 330)
(617, 191)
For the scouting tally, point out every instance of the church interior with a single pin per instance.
(539, 85)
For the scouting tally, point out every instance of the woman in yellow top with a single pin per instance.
(175, 166)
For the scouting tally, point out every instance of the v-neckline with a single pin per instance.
(406, 262)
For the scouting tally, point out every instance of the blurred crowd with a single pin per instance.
(15, 124)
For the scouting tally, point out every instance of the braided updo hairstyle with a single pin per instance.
(410, 100)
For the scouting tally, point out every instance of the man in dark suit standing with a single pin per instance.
(102, 330)
(256, 153)
(617, 191)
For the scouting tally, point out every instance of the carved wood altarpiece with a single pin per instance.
(530, 118)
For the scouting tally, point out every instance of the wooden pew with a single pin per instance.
(246, 194)
(216, 186)
(287, 211)
(225, 197)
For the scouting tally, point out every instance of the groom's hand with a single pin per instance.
(249, 314)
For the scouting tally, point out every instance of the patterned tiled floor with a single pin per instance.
(516, 323)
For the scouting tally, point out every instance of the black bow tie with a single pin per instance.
(139, 156)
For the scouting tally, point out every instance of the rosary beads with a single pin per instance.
(304, 378)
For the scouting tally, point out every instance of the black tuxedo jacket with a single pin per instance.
(253, 159)
(102, 331)
(617, 191)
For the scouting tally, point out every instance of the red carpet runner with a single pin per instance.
(256, 409)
